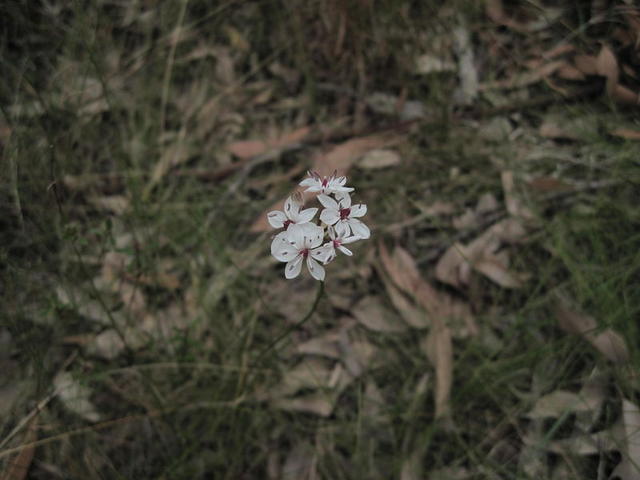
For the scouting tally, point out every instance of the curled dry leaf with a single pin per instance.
(75, 397)
(372, 314)
(607, 342)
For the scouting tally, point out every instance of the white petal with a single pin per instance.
(291, 208)
(296, 235)
(359, 228)
(308, 182)
(306, 215)
(276, 218)
(341, 189)
(313, 234)
(324, 252)
(282, 250)
(351, 239)
(293, 268)
(328, 202)
(358, 210)
(329, 216)
(315, 269)
(332, 233)
(344, 199)
(345, 250)
(282, 237)
(342, 230)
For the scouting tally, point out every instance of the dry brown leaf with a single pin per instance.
(18, 467)
(626, 133)
(526, 78)
(372, 314)
(548, 184)
(569, 72)
(117, 204)
(377, 159)
(325, 346)
(448, 267)
(629, 467)
(552, 130)
(626, 96)
(587, 64)
(175, 154)
(496, 271)
(607, 342)
(414, 317)
(318, 403)
(439, 348)
(514, 205)
(342, 157)
(246, 149)
(607, 66)
(556, 403)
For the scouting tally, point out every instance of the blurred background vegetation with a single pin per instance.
(488, 329)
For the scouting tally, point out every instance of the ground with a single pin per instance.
(488, 328)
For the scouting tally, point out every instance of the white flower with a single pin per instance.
(339, 237)
(325, 185)
(291, 214)
(342, 212)
(297, 243)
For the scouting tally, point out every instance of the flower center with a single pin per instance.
(304, 252)
(344, 213)
(336, 243)
(287, 223)
(325, 182)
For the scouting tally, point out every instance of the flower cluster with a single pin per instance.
(303, 239)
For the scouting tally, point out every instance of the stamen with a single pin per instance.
(344, 213)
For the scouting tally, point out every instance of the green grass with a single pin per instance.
(100, 91)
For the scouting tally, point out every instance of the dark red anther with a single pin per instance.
(305, 253)
(287, 223)
(344, 213)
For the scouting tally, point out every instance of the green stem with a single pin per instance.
(297, 325)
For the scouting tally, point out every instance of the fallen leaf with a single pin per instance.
(468, 90)
(341, 157)
(428, 63)
(524, 79)
(377, 159)
(569, 72)
(75, 397)
(514, 205)
(439, 349)
(549, 184)
(372, 314)
(626, 133)
(414, 317)
(587, 64)
(117, 204)
(318, 403)
(626, 96)
(18, 467)
(607, 342)
(496, 271)
(629, 467)
(607, 66)
(246, 149)
(555, 404)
